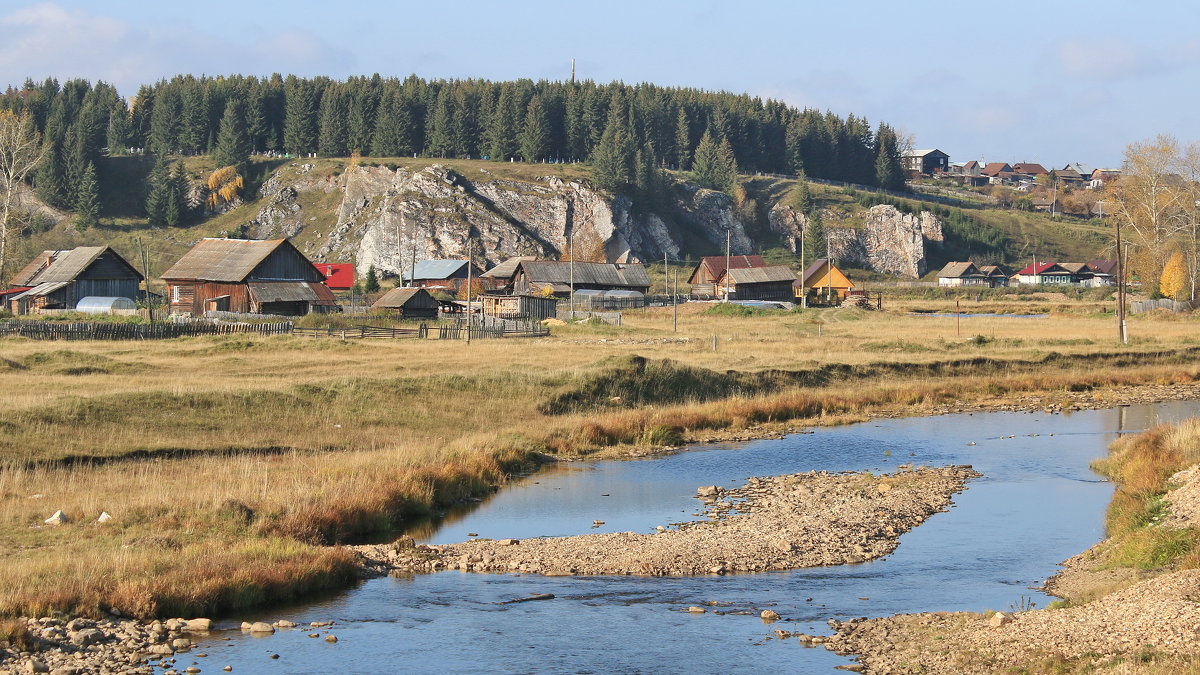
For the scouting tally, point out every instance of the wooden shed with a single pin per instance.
(757, 283)
(246, 276)
(711, 267)
(408, 303)
(530, 307)
(534, 277)
(500, 277)
(59, 279)
(823, 282)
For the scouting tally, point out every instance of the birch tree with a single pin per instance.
(20, 153)
(1148, 199)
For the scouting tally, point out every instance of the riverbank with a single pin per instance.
(775, 523)
(1128, 603)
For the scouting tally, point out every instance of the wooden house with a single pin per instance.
(500, 277)
(246, 276)
(995, 275)
(60, 279)
(408, 303)
(711, 267)
(547, 278)
(530, 307)
(773, 282)
(823, 282)
(441, 275)
(956, 274)
(926, 162)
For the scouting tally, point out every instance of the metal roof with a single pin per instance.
(760, 275)
(957, 270)
(223, 260)
(604, 274)
(400, 297)
(28, 272)
(429, 270)
(42, 290)
(68, 265)
(291, 291)
(507, 269)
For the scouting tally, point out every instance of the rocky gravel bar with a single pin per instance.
(777, 523)
(79, 646)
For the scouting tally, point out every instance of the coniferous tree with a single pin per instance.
(612, 160)
(371, 283)
(714, 166)
(180, 189)
(333, 128)
(117, 134)
(439, 133)
(535, 137)
(683, 141)
(648, 178)
(50, 177)
(800, 198)
(300, 118)
(814, 238)
(393, 129)
(502, 130)
(233, 142)
(889, 171)
(87, 199)
(159, 195)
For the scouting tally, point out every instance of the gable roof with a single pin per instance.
(506, 269)
(922, 153)
(995, 168)
(66, 266)
(759, 275)
(431, 270)
(223, 260)
(1107, 267)
(1041, 268)
(1029, 168)
(815, 269)
(400, 297)
(971, 165)
(28, 272)
(603, 274)
(993, 270)
(1074, 268)
(715, 264)
(957, 270)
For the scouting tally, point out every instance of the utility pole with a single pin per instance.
(803, 266)
(468, 287)
(728, 240)
(571, 255)
(1054, 196)
(675, 304)
(572, 71)
(1122, 332)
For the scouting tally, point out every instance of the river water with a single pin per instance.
(1037, 504)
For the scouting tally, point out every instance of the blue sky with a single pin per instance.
(1049, 82)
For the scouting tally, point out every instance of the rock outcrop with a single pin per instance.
(376, 215)
(889, 241)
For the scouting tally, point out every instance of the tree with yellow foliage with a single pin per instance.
(223, 187)
(1174, 275)
(20, 153)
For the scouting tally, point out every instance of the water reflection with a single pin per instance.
(1037, 504)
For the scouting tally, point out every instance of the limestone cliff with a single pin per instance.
(387, 217)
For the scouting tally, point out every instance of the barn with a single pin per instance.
(246, 276)
(518, 306)
(543, 277)
(773, 282)
(712, 267)
(408, 303)
(60, 279)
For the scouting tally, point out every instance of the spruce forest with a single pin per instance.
(626, 132)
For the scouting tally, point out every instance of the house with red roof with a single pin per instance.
(338, 276)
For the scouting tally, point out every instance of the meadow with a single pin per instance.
(230, 464)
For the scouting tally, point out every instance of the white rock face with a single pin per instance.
(890, 241)
(388, 218)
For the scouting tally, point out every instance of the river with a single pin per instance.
(1036, 505)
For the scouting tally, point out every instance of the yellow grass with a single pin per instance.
(244, 453)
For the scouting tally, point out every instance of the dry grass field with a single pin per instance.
(228, 463)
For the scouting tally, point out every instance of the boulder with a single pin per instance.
(261, 627)
(198, 625)
(331, 638)
(507, 542)
(999, 619)
(86, 637)
(769, 615)
(284, 623)
(104, 517)
(696, 610)
(708, 491)
(36, 666)
(59, 518)
(181, 644)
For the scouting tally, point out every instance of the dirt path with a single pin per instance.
(782, 522)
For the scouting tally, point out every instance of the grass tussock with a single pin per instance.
(1140, 466)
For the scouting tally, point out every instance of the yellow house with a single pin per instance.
(822, 282)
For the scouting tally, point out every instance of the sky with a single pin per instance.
(1047, 82)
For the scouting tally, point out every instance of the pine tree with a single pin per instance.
(683, 141)
(393, 129)
(714, 166)
(333, 129)
(648, 179)
(535, 137)
(889, 172)
(87, 199)
(117, 134)
(502, 129)
(371, 283)
(300, 118)
(48, 182)
(814, 238)
(800, 198)
(440, 131)
(612, 160)
(178, 208)
(233, 142)
(159, 194)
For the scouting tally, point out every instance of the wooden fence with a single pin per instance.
(1138, 306)
(54, 330)
(491, 327)
(365, 332)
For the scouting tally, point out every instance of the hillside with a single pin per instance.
(379, 212)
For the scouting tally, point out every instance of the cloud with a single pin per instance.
(1106, 58)
(46, 39)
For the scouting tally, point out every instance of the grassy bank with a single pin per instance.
(228, 462)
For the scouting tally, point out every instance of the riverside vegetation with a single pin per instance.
(1128, 603)
(229, 465)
